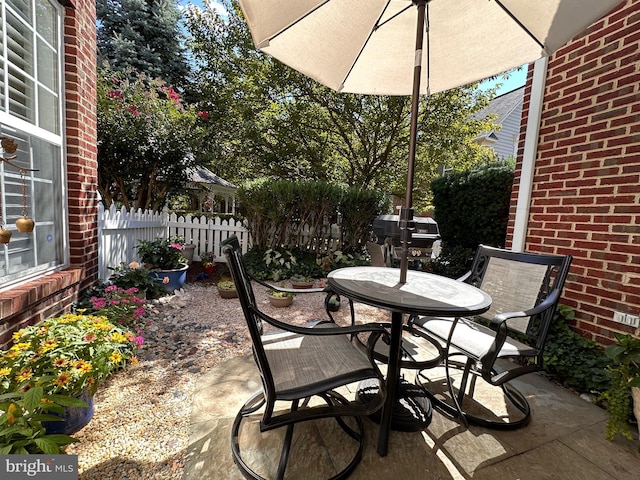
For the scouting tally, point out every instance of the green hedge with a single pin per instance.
(472, 207)
(277, 210)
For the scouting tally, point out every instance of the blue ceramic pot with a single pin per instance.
(174, 278)
(74, 418)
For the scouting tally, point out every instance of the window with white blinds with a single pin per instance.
(30, 114)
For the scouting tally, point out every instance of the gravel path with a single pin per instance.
(140, 428)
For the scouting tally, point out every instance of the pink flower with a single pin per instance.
(133, 110)
(203, 115)
(139, 312)
(172, 94)
(177, 246)
(138, 341)
(117, 94)
(114, 302)
(98, 302)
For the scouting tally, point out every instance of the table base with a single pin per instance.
(412, 409)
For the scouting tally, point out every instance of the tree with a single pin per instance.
(273, 121)
(142, 36)
(146, 136)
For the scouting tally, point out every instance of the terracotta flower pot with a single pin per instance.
(280, 301)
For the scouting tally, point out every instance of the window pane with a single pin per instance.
(21, 96)
(48, 111)
(23, 7)
(47, 66)
(19, 44)
(46, 22)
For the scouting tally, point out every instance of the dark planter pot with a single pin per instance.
(228, 293)
(175, 278)
(301, 285)
(74, 418)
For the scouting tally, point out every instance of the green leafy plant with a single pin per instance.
(577, 362)
(624, 373)
(279, 294)
(132, 275)
(23, 411)
(75, 352)
(162, 253)
(226, 285)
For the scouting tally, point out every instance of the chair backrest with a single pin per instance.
(518, 282)
(232, 251)
(377, 254)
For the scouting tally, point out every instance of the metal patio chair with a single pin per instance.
(525, 289)
(297, 363)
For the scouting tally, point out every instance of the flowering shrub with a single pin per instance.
(162, 254)
(120, 306)
(67, 354)
(131, 275)
(147, 139)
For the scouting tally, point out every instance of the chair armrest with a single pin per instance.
(289, 290)
(337, 330)
(541, 307)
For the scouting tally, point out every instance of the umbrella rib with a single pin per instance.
(521, 25)
(265, 43)
(376, 27)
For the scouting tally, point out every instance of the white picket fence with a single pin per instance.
(119, 232)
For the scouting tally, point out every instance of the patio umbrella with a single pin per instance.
(380, 47)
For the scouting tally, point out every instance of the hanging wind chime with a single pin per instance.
(23, 224)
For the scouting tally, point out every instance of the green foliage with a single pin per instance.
(624, 373)
(453, 262)
(144, 36)
(131, 275)
(285, 215)
(162, 253)
(577, 362)
(145, 137)
(23, 411)
(472, 207)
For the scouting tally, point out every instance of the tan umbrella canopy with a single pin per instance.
(413, 47)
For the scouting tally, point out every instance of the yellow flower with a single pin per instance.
(24, 374)
(21, 346)
(5, 371)
(115, 357)
(48, 345)
(60, 362)
(118, 337)
(84, 367)
(17, 335)
(62, 379)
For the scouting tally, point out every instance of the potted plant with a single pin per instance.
(624, 389)
(279, 298)
(68, 355)
(301, 281)
(165, 260)
(133, 275)
(227, 289)
(208, 262)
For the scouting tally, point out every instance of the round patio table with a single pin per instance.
(422, 294)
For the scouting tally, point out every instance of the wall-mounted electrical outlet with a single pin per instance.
(626, 319)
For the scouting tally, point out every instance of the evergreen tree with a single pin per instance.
(143, 35)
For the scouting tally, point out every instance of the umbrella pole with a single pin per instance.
(406, 222)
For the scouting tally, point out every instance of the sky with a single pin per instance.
(516, 79)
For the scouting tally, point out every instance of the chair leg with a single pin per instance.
(457, 411)
(257, 401)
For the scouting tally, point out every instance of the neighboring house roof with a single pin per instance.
(200, 174)
(507, 109)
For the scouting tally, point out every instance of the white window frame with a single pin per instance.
(26, 247)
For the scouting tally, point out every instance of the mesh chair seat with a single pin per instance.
(473, 338)
(304, 365)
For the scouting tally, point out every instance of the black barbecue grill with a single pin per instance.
(387, 232)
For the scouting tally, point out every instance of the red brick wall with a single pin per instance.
(586, 193)
(53, 294)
